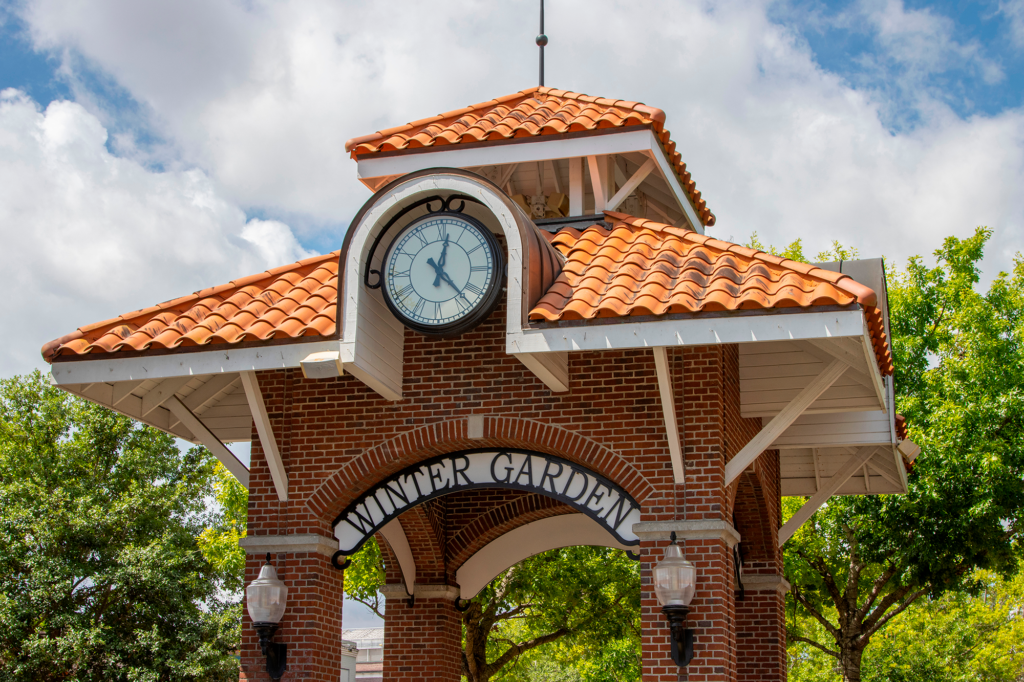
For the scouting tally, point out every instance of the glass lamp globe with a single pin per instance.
(266, 597)
(675, 578)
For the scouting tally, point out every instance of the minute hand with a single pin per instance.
(441, 274)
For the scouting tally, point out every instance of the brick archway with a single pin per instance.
(387, 458)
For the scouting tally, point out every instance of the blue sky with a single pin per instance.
(151, 149)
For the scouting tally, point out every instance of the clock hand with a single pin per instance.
(445, 277)
(440, 264)
(437, 271)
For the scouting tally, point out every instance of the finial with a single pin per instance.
(268, 557)
(542, 40)
(672, 537)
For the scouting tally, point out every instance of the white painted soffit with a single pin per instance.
(375, 166)
(695, 331)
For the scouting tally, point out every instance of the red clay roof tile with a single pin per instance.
(534, 112)
(640, 267)
(286, 302)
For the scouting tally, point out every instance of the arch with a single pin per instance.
(443, 437)
(565, 530)
(584, 490)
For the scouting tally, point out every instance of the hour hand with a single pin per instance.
(437, 271)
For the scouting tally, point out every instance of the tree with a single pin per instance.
(569, 614)
(959, 356)
(583, 596)
(101, 577)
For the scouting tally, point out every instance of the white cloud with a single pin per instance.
(87, 235)
(263, 95)
(1013, 10)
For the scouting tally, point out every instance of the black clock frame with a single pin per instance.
(488, 302)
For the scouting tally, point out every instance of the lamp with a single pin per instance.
(674, 582)
(265, 598)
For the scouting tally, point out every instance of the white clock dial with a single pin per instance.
(440, 271)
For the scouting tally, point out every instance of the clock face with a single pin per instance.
(442, 274)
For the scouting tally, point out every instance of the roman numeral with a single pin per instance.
(402, 273)
(442, 231)
(418, 310)
(419, 235)
(474, 248)
(405, 291)
(474, 288)
(475, 268)
(463, 305)
(437, 310)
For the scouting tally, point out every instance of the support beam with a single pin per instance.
(266, 433)
(849, 351)
(551, 368)
(554, 176)
(856, 461)
(817, 470)
(162, 392)
(597, 182)
(881, 472)
(399, 543)
(206, 437)
(630, 185)
(576, 186)
(506, 176)
(668, 409)
(827, 352)
(773, 429)
(210, 392)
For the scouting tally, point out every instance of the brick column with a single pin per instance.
(761, 629)
(708, 544)
(311, 626)
(422, 641)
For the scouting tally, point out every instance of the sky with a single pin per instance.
(148, 150)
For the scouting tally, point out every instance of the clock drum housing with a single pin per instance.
(443, 273)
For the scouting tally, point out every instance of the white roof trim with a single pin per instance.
(626, 141)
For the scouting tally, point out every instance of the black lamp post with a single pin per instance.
(265, 598)
(675, 579)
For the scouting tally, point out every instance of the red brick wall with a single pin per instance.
(337, 438)
(422, 641)
(311, 626)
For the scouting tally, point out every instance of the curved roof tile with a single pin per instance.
(534, 112)
(640, 267)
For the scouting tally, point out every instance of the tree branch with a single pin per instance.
(902, 607)
(797, 638)
(832, 630)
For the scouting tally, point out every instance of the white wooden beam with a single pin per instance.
(668, 410)
(825, 351)
(576, 186)
(881, 472)
(817, 470)
(206, 437)
(551, 368)
(856, 461)
(773, 429)
(554, 176)
(597, 182)
(848, 350)
(210, 391)
(160, 393)
(507, 174)
(259, 414)
(630, 185)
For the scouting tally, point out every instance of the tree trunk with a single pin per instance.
(849, 660)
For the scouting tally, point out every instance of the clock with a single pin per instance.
(443, 274)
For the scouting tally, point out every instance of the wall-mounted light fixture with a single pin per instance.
(266, 598)
(675, 579)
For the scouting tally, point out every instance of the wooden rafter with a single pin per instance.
(266, 432)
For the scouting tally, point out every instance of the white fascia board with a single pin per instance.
(451, 156)
(196, 363)
(689, 332)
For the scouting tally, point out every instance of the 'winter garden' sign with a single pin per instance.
(582, 489)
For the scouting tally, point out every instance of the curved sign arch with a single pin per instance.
(590, 493)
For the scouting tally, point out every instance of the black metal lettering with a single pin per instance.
(365, 522)
(619, 518)
(434, 476)
(419, 493)
(527, 469)
(546, 476)
(456, 471)
(400, 493)
(572, 474)
(508, 469)
(594, 496)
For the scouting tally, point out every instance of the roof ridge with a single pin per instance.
(865, 295)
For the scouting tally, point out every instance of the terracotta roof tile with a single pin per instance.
(530, 113)
(286, 302)
(640, 267)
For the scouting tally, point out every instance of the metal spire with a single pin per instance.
(542, 40)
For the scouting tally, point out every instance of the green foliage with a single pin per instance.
(100, 573)
(960, 367)
(582, 604)
(955, 638)
(219, 541)
(364, 577)
(795, 251)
